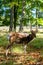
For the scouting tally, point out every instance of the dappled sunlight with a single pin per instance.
(21, 32)
(39, 35)
(17, 49)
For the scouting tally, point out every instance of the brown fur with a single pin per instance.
(19, 38)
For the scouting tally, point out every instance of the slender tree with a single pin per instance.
(22, 15)
(11, 19)
(15, 15)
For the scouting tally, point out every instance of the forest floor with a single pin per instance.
(31, 58)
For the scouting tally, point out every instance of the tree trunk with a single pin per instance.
(22, 16)
(36, 20)
(15, 16)
(11, 20)
(30, 26)
(21, 26)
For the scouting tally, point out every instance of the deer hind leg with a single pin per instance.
(25, 46)
(7, 52)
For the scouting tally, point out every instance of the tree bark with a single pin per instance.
(15, 16)
(30, 26)
(22, 16)
(11, 19)
(36, 20)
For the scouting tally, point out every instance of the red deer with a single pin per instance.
(19, 38)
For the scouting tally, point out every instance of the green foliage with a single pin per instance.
(6, 23)
(5, 6)
(37, 43)
(40, 21)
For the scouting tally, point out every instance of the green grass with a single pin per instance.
(3, 40)
(37, 43)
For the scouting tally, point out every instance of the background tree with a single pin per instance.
(15, 15)
(23, 14)
(11, 19)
